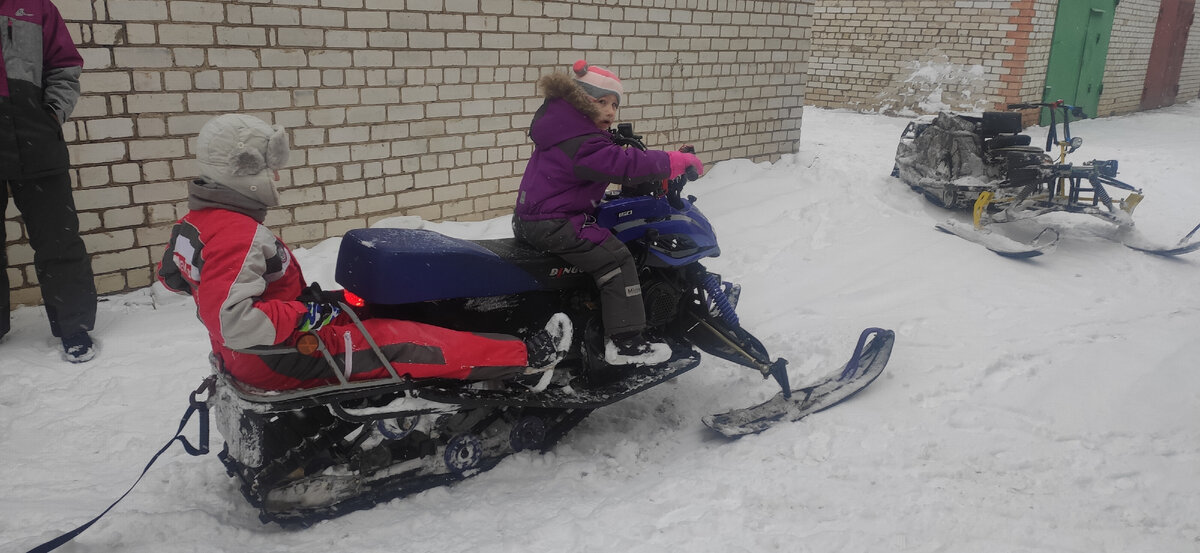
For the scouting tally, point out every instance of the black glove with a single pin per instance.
(314, 293)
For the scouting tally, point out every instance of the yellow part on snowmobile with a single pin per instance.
(981, 204)
(1059, 188)
(1131, 202)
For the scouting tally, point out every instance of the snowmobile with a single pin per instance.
(306, 455)
(985, 164)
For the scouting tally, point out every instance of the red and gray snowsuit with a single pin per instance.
(573, 162)
(245, 283)
(39, 86)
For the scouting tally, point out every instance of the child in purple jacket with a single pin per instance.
(574, 161)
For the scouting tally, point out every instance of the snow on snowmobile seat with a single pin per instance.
(398, 266)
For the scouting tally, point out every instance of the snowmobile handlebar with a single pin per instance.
(1059, 104)
(624, 136)
(675, 187)
(1068, 110)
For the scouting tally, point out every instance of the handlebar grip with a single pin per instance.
(691, 173)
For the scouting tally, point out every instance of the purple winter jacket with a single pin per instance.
(573, 162)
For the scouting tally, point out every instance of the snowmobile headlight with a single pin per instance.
(1076, 142)
(675, 243)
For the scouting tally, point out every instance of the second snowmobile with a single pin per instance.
(986, 165)
(313, 454)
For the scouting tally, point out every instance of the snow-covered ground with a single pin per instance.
(1050, 405)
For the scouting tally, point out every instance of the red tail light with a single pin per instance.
(353, 300)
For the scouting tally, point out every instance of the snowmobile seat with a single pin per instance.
(1001, 129)
(1000, 122)
(1006, 141)
(398, 266)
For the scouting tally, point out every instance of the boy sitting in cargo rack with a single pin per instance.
(247, 286)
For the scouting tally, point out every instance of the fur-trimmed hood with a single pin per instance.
(574, 161)
(562, 85)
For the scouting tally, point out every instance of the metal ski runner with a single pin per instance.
(1000, 244)
(865, 365)
(1136, 241)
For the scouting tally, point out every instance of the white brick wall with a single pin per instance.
(1189, 79)
(394, 107)
(1128, 56)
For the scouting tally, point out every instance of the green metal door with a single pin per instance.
(1075, 72)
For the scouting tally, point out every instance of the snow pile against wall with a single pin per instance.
(934, 85)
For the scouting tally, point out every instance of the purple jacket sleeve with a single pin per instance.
(601, 160)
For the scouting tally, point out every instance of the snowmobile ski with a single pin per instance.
(1136, 241)
(1167, 251)
(1002, 245)
(866, 364)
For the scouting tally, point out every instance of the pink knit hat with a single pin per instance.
(597, 81)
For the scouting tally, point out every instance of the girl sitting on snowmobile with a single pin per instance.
(574, 160)
(246, 285)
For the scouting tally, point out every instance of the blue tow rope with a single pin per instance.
(193, 407)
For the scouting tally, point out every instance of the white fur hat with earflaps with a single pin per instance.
(241, 153)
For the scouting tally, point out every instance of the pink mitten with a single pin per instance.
(680, 161)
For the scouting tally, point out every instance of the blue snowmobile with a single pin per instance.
(313, 454)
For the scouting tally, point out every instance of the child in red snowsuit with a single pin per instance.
(245, 283)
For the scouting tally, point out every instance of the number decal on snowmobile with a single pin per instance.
(563, 271)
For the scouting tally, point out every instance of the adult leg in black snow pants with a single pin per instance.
(64, 270)
(610, 264)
